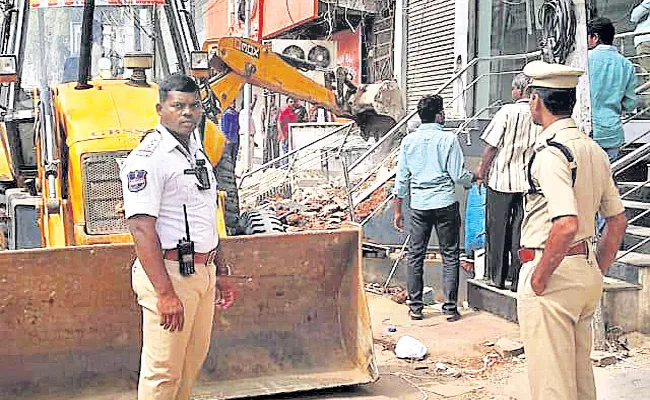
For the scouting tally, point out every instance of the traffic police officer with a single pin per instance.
(570, 182)
(159, 178)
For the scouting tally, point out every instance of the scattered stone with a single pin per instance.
(311, 207)
(330, 209)
(488, 344)
(410, 348)
(602, 358)
(340, 214)
(294, 219)
(509, 348)
(441, 366)
(400, 297)
(334, 220)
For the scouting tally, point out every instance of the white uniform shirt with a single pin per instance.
(513, 133)
(154, 183)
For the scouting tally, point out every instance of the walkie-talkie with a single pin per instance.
(186, 250)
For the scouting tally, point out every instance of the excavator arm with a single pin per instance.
(236, 61)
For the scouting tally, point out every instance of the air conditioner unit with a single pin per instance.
(322, 53)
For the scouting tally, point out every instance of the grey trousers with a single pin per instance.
(446, 221)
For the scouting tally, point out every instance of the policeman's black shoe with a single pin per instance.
(416, 315)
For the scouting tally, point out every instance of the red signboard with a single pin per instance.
(348, 52)
(80, 3)
(221, 17)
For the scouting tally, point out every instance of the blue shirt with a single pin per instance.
(230, 124)
(430, 162)
(611, 83)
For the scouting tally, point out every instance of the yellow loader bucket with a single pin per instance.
(69, 319)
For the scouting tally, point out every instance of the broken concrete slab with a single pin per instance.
(331, 208)
(602, 358)
(508, 348)
(293, 219)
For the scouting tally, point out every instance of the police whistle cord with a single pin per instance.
(558, 20)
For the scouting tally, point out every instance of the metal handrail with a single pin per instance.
(475, 81)
(629, 34)
(292, 152)
(444, 86)
(623, 164)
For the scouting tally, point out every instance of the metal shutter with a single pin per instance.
(430, 48)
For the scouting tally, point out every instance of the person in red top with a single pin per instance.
(286, 116)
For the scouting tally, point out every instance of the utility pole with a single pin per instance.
(248, 93)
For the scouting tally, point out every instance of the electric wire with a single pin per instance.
(558, 21)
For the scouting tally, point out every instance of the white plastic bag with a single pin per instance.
(410, 347)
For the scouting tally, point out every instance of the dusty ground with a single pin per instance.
(462, 347)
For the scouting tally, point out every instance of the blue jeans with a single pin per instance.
(284, 149)
(446, 222)
(612, 153)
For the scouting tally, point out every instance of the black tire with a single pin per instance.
(226, 181)
(256, 222)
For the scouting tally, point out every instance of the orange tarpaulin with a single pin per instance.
(80, 3)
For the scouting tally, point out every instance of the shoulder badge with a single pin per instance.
(148, 144)
(137, 180)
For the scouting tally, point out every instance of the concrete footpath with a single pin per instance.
(463, 361)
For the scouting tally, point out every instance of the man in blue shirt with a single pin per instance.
(230, 128)
(430, 163)
(612, 82)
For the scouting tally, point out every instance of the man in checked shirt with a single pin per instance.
(508, 146)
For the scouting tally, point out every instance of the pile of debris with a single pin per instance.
(317, 208)
(323, 207)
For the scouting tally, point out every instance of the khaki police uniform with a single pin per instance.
(556, 325)
(154, 183)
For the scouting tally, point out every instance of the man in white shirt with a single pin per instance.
(641, 17)
(177, 302)
(508, 147)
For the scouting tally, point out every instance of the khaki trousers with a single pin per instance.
(171, 361)
(556, 328)
(643, 51)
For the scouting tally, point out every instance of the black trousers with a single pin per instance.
(232, 149)
(504, 215)
(446, 221)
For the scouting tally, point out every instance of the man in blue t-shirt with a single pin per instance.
(611, 82)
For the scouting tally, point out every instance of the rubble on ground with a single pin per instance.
(323, 207)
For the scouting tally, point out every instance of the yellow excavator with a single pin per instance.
(67, 314)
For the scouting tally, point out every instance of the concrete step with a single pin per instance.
(618, 296)
(634, 235)
(626, 266)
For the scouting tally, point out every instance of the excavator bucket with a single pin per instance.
(71, 326)
(377, 107)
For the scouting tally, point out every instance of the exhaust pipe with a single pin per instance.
(86, 45)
